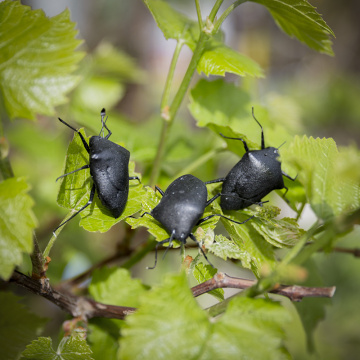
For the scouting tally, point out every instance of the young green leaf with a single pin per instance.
(70, 348)
(17, 326)
(171, 325)
(17, 222)
(245, 244)
(115, 286)
(35, 76)
(219, 59)
(228, 249)
(103, 338)
(225, 108)
(249, 329)
(75, 191)
(281, 233)
(299, 19)
(172, 23)
(329, 192)
(206, 272)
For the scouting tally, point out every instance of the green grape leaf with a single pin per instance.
(329, 192)
(105, 287)
(245, 243)
(172, 23)
(227, 249)
(17, 222)
(75, 190)
(35, 76)
(281, 233)
(249, 329)
(255, 246)
(171, 325)
(154, 227)
(219, 59)
(168, 314)
(70, 348)
(206, 272)
(225, 108)
(103, 342)
(299, 19)
(312, 310)
(13, 336)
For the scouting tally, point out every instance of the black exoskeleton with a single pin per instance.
(181, 208)
(109, 169)
(253, 177)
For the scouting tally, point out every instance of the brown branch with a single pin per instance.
(355, 252)
(85, 308)
(77, 306)
(294, 292)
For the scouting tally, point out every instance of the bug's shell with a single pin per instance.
(182, 206)
(109, 168)
(253, 177)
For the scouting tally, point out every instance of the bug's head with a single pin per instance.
(181, 235)
(270, 152)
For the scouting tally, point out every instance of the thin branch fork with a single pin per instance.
(294, 292)
(85, 308)
(77, 306)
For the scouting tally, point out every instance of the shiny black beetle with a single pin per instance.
(180, 209)
(253, 177)
(109, 169)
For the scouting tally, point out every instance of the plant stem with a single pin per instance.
(226, 13)
(53, 237)
(215, 10)
(199, 161)
(179, 96)
(170, 76)
(198, 11)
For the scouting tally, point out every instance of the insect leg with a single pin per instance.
(243, 141)
(214, 181)
(212, 199)
(169, 240)
(159, 190)
(288, 176)
(103, 114)
(86, 146)
(71, 172)
(192, 237)
(91, 198)
(234, 221)
(135, 178)
(262, 130)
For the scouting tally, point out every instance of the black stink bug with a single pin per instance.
(253, 177)
(180, 209)
(108, 163)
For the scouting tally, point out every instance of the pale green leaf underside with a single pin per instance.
(37, 58)
(219, 59)
(172, 23)
(299, 19)
(329, 192)
(115, 286)
(75, 191)
(18, 326)
(70, 348)
(17, 222)
(171, 325)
